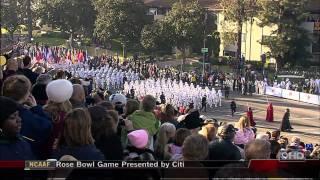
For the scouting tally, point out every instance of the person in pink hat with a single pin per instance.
(137, 148)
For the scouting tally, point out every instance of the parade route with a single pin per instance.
(305, 118)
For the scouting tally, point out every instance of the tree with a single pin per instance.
(237, 12)
(185, 25)
(11, 15)
(122, 20)
(289, 42)
(72, 16)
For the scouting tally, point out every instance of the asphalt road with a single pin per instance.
(305, 118)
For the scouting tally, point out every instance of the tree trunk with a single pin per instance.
(239, 40)
(29, 14)
(71, 39)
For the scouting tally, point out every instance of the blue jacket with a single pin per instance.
(86, 152)
(15, 149)
(36, 125)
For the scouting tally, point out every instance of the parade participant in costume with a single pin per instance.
(269, 117)
(233, 107)
(250, 117)
(285, 123)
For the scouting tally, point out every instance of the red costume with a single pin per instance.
(269, 117)
(250, 117)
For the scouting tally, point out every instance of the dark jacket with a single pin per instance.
(223, 150)
(36, 125)
(15, 149)
(86, 152)
(111, 147)
(30, 75)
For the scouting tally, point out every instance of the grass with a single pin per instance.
(50, 41)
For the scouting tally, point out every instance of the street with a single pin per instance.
(305, 118)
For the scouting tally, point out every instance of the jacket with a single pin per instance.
(15, 149)
(85, 152)
(36, 125)
(111, 147)
(145, 120)
(223, 150)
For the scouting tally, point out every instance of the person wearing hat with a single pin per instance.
(119, 101)
(13, 146)
(36, 124)
(58, 92)
(224, 149)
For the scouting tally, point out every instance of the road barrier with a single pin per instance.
(294, 95)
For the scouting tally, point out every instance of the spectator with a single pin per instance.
(165, 135)
(32, 76)
(209, 131)
(195, 148)
(167, 114)
(244, 134)
(36, 125)
(224, 149)
(145, 119)
(78, 96)
(39, 89)
(106, 104)
(13, 146)
(174, 150)
(104, 132)
(11, 68)
(77, 139)
(119, 101)
(59, 93)
(257, 149)
(131, 106)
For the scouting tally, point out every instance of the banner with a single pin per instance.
(310, 98)
(273, 91)
(288, 94)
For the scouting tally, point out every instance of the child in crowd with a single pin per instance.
(174, 150)
(166, 133)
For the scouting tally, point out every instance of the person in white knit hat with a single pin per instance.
(59, 90)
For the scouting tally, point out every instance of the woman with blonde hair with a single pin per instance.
(165, 135)
(244, 134)
(77, 139)
(208, 130)
(59, 93)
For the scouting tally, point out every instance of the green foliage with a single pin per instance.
(122, 20)
(73, 16)
(11, 15)
(288, 44)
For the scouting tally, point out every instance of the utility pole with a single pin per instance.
(204, 45)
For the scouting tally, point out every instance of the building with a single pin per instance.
(252, 33)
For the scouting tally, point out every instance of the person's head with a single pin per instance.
(263, 137)
(10, 121)
(288, 110)
(78, 94)
(12, 64)
(208, 131)
(119, 101)
(167, 131)
(226, 132)
(98, 97)
(102, 123)
(115, 117)
(44, 79)
(181, 135)
(59, 91)
(55, 108)
(148, 103)
(26, 62)
(168, 110)
(38, 70)
(243, 123)
(77, 128)
(268, 133)
(60, 75)
(131, 106)
(275, 134)
(17, 87)
(295, 140)
(195, 147)
(257, 149)
(138, 138)
(106, 104)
